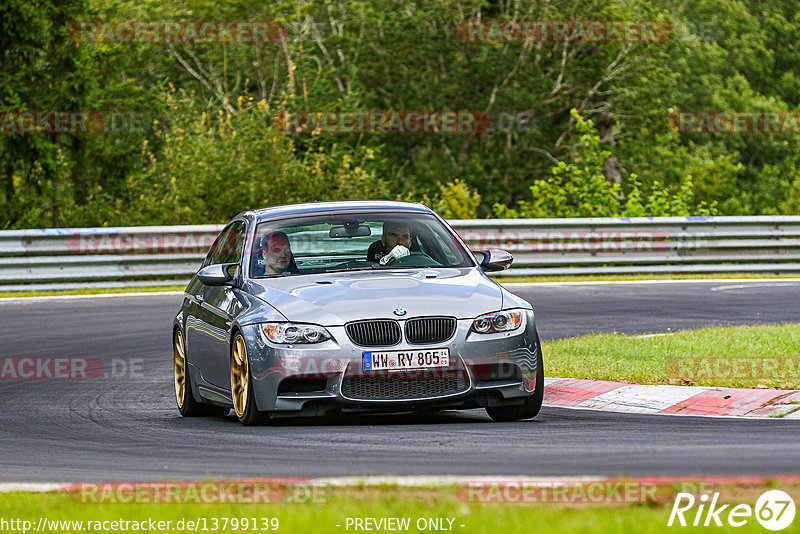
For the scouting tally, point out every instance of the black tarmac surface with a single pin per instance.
(125, 426)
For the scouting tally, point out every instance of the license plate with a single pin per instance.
(406, 359)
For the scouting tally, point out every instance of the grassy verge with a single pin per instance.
(90, 291)
(742, 356)
(331, 513)
(640, 277)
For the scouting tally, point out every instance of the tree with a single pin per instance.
(213, 164)
(580, 189)
(51, 179)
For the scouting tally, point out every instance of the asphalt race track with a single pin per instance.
(125, 426)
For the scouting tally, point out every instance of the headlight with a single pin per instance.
(289, 333)
(502, 321)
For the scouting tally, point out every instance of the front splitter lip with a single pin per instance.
(509, 390)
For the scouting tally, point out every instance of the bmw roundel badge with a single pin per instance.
(399, 312)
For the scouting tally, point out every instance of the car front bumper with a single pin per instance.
(485, 370)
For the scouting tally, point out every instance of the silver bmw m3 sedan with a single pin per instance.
(352, 306)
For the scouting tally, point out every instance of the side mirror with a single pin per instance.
(218, 274)
(494, 259)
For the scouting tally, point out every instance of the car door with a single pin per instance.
(198, 342)
(218, 308)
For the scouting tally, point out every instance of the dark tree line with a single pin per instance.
(190, 132)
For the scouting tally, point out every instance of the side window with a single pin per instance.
(213, 252)
(231, 250)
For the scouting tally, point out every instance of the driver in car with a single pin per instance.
(394, 244)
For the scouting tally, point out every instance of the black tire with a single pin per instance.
(532, 405)
(250, 415)
(188, 406)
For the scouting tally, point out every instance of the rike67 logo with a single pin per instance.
(774, 510)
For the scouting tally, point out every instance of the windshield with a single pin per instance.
(354, 241)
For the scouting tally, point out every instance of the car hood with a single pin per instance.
(333, 299)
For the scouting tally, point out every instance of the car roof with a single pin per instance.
(335, 207)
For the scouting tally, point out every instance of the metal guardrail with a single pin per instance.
(94, 257)
(642, 244)
(82, 257)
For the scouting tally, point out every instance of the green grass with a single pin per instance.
(334, 509)
(778, 415)
(742, 356)
(90, 291)
(640, 277)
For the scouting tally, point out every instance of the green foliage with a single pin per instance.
(213, 164)
(581, 189)
(53, 179)
(539, 160)
(792, 202)
(457, 201)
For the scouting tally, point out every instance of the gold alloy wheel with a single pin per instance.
(179, 368)
(240, 376)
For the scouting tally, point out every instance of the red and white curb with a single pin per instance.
(423, 481)
(681, 400)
